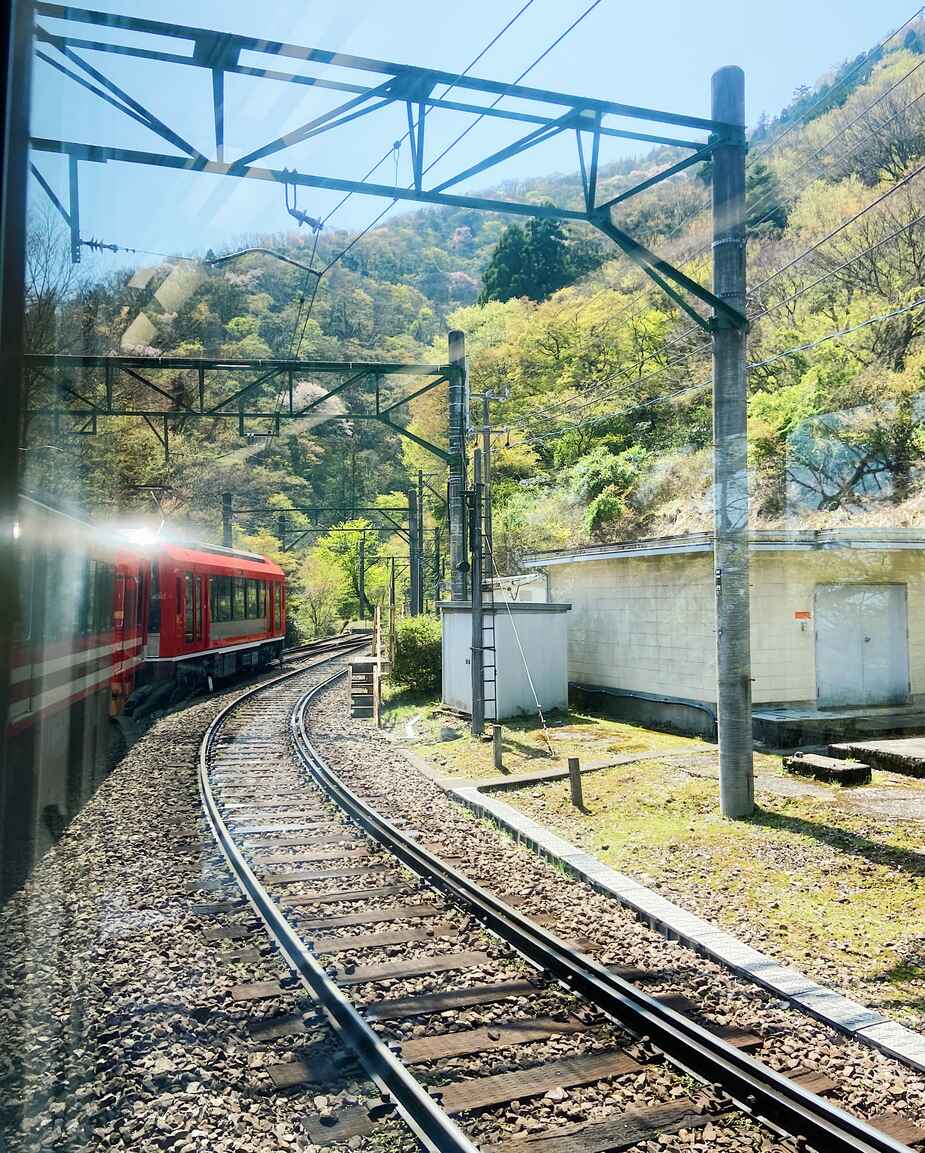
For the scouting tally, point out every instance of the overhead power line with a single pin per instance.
(839, 268)
(664, 398)
(372, 224)
(841, 227)
(779, 203)
(838, 334)
(453, 143)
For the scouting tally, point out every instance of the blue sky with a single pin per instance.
(660, 54)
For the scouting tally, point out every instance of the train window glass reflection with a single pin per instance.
(189, 630)
(197, 608)
(129, 602)
(154, 611)
(24, 605)
(238, 613)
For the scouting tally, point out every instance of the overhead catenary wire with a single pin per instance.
(446, 91)
(664, 398)
(839, 268)
(372, 224)
(810, 344)
(837, 136)
(901, 183)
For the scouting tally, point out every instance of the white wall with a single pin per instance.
(543, 635)
(643, 624)
(646, 624)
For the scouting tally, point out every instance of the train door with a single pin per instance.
(155, 596)
(189, 609)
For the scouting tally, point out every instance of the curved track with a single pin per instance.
(305, 805)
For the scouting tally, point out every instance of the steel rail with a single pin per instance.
(422, 1114)
(759, 1091)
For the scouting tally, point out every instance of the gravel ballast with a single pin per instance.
(869, 1084)
(120, 1031)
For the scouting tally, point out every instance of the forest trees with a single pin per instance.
(534, 261)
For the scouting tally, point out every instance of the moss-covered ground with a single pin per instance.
(827, 879)
(443, 739)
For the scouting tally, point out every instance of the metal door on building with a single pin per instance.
(862, 649)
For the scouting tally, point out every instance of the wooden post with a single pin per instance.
(497, 746)
(574, 782)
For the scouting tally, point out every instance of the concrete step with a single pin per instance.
(842, 771)
(905, 755)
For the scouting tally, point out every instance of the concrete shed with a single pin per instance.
(525, 660)
(837, 630)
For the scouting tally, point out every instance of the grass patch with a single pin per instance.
(421, 718)
(839, 894)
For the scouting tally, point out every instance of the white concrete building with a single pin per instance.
(837, 627)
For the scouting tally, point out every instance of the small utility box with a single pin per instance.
(531, 656)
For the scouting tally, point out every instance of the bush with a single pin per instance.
(418, 656)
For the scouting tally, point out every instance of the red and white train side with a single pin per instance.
(212, 611)
(98, 617)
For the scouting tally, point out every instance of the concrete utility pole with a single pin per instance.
(227, 537)
(730, 456)
(456, 485)
(486, 465)
(478, 640)
(414, 553)
(391, 610)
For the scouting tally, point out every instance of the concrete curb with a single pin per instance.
(677, 924)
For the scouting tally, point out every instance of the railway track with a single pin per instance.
(336, 883)
(334, 644)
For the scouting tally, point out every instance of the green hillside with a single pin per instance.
(603, 405)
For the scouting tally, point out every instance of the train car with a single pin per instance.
(97, 616)
(212, 612)
(77, 646)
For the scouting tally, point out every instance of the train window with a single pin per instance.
(87, 618)
(238, 613)
(189, 626)
(197, 608)
(250, 601)
(118, 603)
(130, 599)
(277, 604)
(23, 627)
(55, 603)
(104, 598)
(221, 598)
(154, 612)
(263, 597)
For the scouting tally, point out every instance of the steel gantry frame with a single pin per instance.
(100, 392)
(547, 114)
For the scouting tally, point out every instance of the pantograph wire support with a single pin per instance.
(293, 209)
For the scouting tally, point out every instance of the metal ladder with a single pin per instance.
(489, 647)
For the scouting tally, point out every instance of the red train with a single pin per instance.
(99, 617)
(97, 612)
